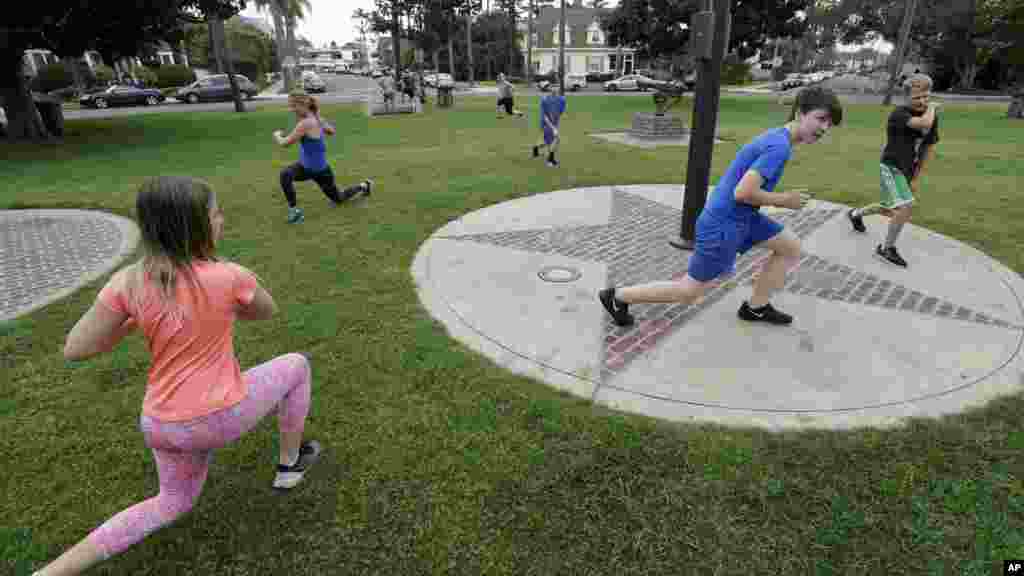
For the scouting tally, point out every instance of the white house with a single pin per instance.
(586, 46)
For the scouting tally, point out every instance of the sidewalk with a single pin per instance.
(871, 344)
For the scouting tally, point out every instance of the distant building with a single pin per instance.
(587, 49)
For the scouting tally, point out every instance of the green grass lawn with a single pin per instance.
(440, 462)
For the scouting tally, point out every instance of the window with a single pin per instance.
(166, 59)
(535, 39)
(594, 64)
(568, 35)
(595, 36)
(612, 61)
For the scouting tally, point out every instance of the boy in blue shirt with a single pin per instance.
(732, 224)
(552, 106)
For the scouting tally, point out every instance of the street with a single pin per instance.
(347, 88)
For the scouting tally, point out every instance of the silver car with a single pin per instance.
(312, 82)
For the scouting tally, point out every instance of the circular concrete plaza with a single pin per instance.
(871, 344)
(48, 254)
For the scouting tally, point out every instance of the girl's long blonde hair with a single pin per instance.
(174, 218)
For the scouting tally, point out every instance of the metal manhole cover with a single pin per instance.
(559, 274)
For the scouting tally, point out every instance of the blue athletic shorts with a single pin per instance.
(549, 135)
(718, 241)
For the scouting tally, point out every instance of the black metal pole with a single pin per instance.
(704, 123)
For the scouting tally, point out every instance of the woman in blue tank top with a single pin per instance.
(312, 165)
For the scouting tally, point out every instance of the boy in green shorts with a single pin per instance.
(911, 132)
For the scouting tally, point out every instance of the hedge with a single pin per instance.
(174, 75)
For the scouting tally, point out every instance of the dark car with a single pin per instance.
(215, 87)
(121, 95)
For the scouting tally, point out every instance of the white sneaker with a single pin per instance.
(289, 476)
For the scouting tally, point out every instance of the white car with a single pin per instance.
(627, 82)
(312, 82)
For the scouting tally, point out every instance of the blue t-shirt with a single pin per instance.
(552, 106)
(767, 154)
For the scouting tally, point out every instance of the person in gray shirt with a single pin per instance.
(505, 97)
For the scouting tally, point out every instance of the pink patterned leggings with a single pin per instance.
(183, 450)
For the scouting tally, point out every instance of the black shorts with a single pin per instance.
(507, 103)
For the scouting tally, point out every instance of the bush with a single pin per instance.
(780, 72)
(104, 74)
(174, 75)
(145, 74)
(54, 76)
(736, 73)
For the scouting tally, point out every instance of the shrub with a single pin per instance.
(736, 73)
(174, 75)
(145, 74)
(53, 76)
(104, 74)
(779, 72)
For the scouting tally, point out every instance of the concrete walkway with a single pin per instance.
(871, 344)
(46, 255)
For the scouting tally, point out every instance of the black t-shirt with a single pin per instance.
(904, 145)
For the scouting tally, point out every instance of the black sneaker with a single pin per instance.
(857, 221)
(764, 314)
(617, 308)
(890, 255)
(536, 151)
(367, 187)
(289, 476)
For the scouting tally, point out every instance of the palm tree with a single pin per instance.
(285, 14)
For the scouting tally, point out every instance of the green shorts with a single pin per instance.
(895, 188)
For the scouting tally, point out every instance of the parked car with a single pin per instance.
(573, 82)
(627, 82)
(435, 80)
(793, 80)
(121, 95)
(312, 82)
(215, 87)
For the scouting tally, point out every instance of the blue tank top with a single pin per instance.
(313, 153)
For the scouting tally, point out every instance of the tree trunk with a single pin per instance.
(469, 46)
(901, 52)
(282, 47)
(292, 51)
(225, 58)
(967, 70)
(23, 119)
(435, 54)
(529, 42)
(396, 44)
(451, 52)
(215, 44)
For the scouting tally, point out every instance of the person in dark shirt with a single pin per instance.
(912, 131)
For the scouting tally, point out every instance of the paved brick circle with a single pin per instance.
(47, 254)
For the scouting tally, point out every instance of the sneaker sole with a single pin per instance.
(609, 306)
(764, 321)
(288, 480)
(861, 230)
(884, 259)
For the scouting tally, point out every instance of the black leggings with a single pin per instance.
(325, 179)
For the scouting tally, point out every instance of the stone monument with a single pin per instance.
(660, 123)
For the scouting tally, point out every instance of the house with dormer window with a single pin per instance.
(587, 50)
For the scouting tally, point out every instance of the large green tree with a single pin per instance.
(69, 28)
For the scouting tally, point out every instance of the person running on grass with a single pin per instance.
(505, 98)
(186, 301)
(911, 132)
(309, 133)
(552, 106)
(731, 223)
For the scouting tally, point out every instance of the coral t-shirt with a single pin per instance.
(194, 371)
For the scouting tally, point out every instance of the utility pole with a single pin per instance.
(561, 52)
(908, 19)
(705, 111)
(529, 42)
